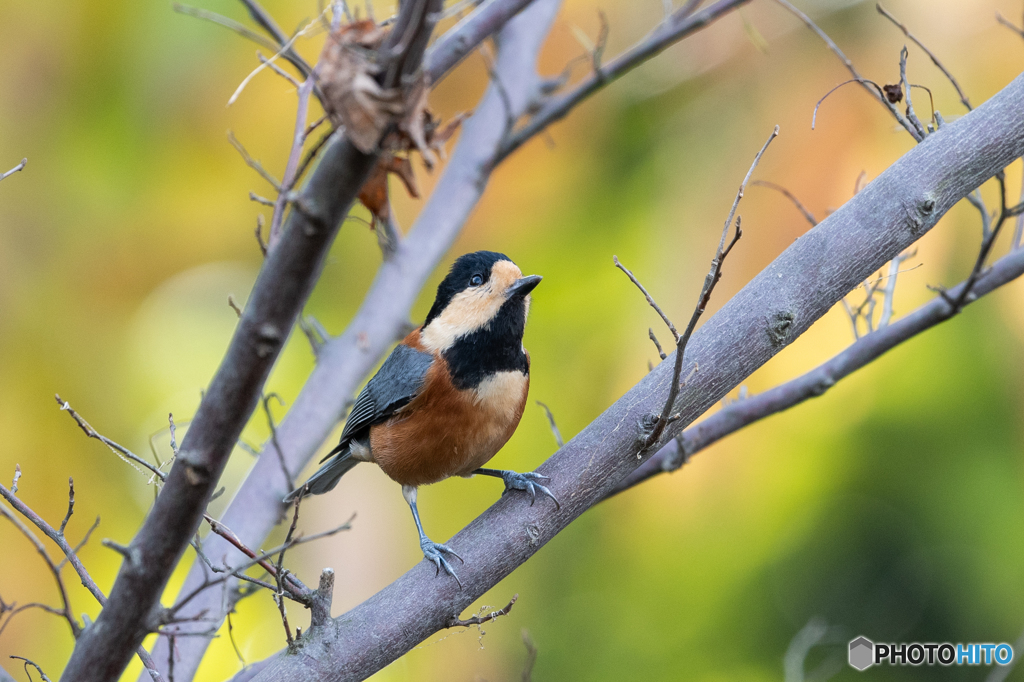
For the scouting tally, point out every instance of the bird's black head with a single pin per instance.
(483, 290)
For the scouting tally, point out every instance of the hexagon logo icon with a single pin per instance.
(862, 653)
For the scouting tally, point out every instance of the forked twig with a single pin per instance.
(457, 622)
(931, 55)
(714, 275)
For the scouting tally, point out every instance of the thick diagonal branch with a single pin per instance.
(865, 350)
(284, 284)
(768, 314)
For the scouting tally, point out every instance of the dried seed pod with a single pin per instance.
(355, 100)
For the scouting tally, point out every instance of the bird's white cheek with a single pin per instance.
(468, 311)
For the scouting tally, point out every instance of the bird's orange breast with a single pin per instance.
(447, 432)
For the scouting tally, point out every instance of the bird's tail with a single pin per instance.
(327, 476)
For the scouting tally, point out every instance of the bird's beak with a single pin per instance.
(523, 286)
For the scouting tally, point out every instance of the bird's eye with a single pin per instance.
(476, 280)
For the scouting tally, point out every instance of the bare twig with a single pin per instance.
(911, 114)
(253, 163)
(273, 436)
(654, 339)
(789, 195)
(880, 96)
(259, 560)
(551, 422)
(279, 595)
(1009, 24)
(278, 70)
(715, 274)
(890, 287)
(70, 555)
(818, 381)
(931, 55)
(650, 300)
(292, 166)
(315, 333)
(863, 81)
(124, 453)
(957, 302)
(230, 24)
(267, 23)
(65, 610)
(31, 663)
(457, 622)
(531, 650)
(680, 24)
(14, 170)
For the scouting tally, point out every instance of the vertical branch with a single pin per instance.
(294, 157)
(285, 281)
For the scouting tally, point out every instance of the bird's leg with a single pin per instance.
(527, 481)
(433, 551)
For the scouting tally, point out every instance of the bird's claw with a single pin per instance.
(528, 481)
(435, 551)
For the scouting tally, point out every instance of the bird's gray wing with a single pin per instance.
(398, 381)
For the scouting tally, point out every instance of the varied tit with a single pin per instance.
(449, 396)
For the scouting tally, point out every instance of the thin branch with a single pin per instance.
(931, 55)
(900, 118)
(957, 302)
(273, 435)
(772, 310)
(531, 648)
(710, 281)
(818, 381)
(676, 27)
(70, 555)
(258, 560)
(278, 70)
(457, 622)
(654, 339)
(14, 170)
(292, 166)
(122, 452)
(650, 300)
(65, 610)
(253, 163)
(1009, 24)
(279, 595)
(554, 427)
(227, 23)
(863, 81)
(1018, 229)
(267, 23)
(31, 663)
(911, 115)
(890, 287)
(315, 333)
(789, 195)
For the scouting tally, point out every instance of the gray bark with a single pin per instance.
(778, 305)
(288, 275)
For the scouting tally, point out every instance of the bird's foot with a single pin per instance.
(435, 551)
(528, 481)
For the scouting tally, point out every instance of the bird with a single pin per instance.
(449, 396)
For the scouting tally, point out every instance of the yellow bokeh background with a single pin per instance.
(890, 507)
